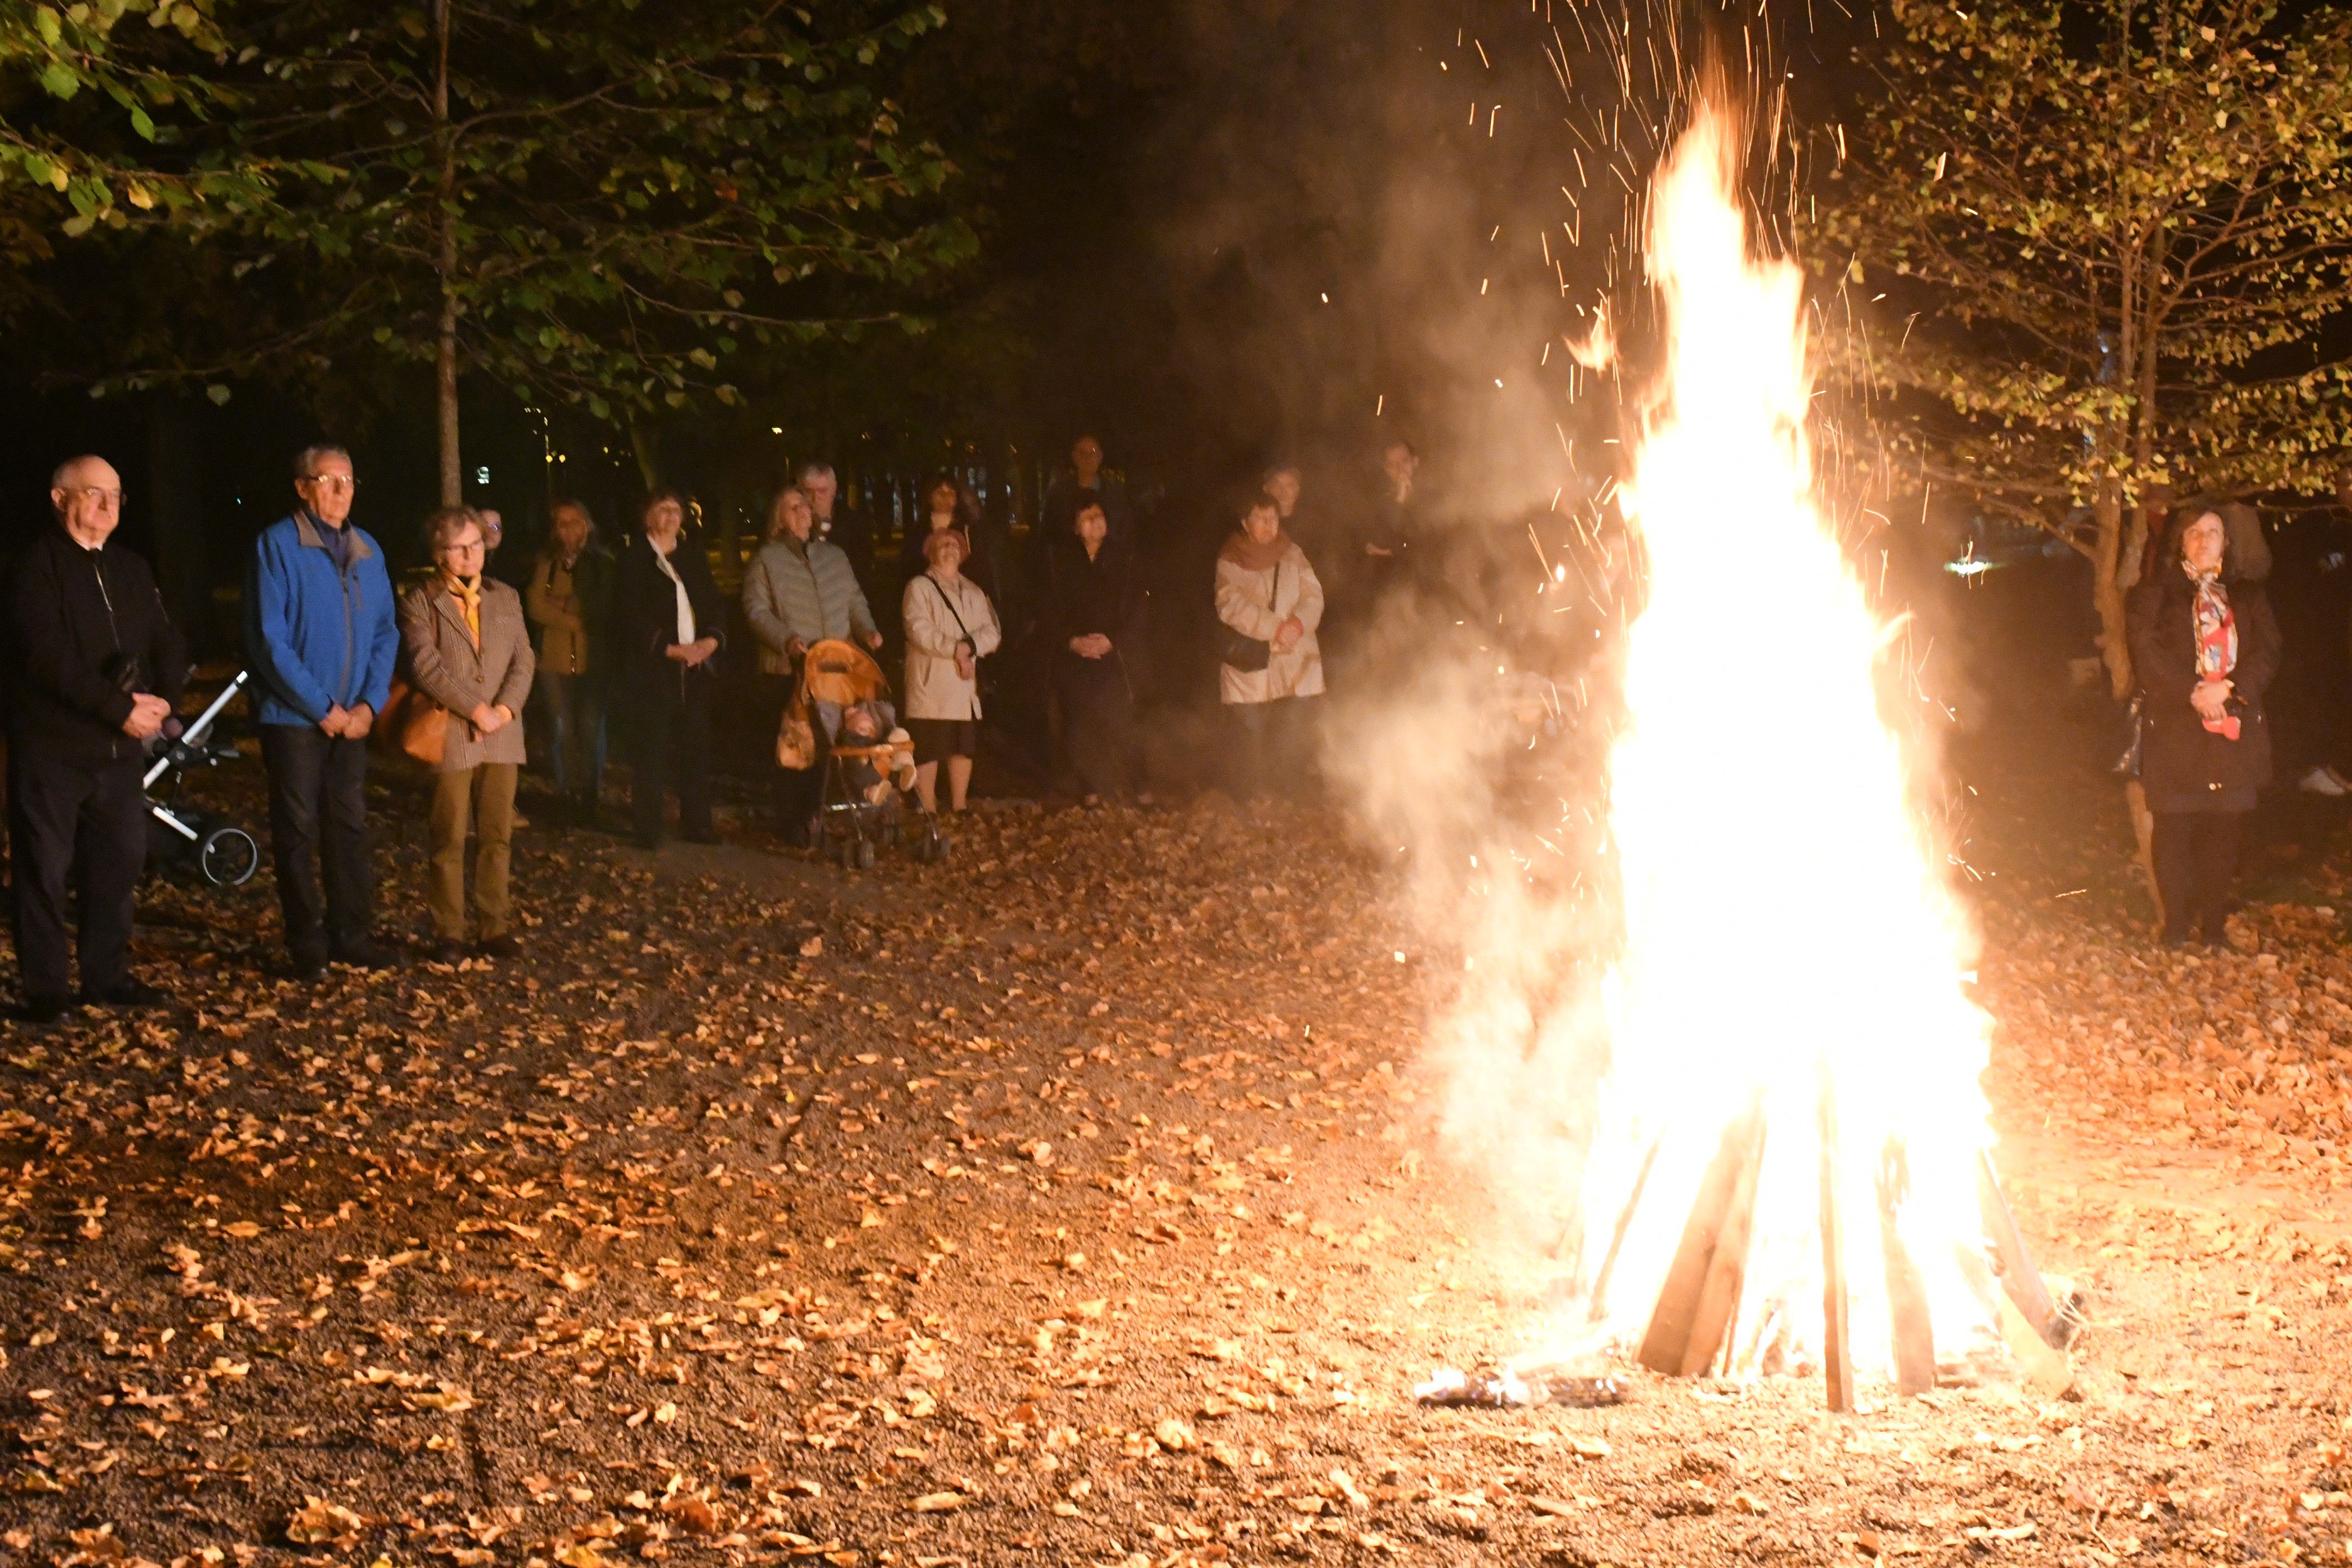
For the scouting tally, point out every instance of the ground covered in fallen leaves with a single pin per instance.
(1072, 1203)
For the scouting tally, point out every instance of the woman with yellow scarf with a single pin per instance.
(468, 648)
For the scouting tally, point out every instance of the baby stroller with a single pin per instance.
(225, 854)
(859, 800)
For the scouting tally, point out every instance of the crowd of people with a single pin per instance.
(476, 678)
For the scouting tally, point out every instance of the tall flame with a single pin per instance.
(1784, 920)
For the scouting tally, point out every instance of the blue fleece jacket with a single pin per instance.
(318, 637)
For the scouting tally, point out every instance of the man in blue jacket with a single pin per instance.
(321, 636)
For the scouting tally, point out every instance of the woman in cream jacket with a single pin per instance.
(951, 628)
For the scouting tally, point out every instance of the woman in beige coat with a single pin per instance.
(951, 628)
(468, 648)
(1270, 602)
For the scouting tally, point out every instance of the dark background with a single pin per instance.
(1215, 234)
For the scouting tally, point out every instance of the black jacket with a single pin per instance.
(851, 532)
(76, 618)
(1064, 495)
(644, 615)
(2183, 765)
(1084, 597)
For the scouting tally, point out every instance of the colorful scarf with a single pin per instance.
(2216, 641)
(467, 592)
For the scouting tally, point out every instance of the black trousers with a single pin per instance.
(1273, 747)
(63, 820)
(2196, 859)
(317, 834)
(571, 730)
(1097, 724)
(669, 744)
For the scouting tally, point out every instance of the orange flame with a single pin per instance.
(1785, 922)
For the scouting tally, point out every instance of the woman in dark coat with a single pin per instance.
(669, 624)
(1094, 626)
(2205, 646)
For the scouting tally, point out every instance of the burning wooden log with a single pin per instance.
(2047, 1371)
(1599, 1308)
(2020, 1281)
(1688, 1325)
(1727, 1271)
(1837, 1348)
(1906, 1288)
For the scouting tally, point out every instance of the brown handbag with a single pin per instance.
(414, 725)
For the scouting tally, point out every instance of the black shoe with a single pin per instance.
(583, 812)
(498, 947)
(368, 953)
(445, 949)
(129, 993)
(649, 842)
(705, 836)
(308, 967)
(43, 1011)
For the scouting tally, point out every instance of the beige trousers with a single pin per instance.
(452, 802)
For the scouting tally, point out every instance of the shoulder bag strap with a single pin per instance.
(942, 593)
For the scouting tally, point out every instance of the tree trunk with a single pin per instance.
(2106, 593)
(2115, 645)
(445, 388)
(444, 366)
(641, 443)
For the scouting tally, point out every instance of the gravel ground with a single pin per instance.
(1072, 1203)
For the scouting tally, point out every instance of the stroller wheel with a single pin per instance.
(229, 857)
(865, 856)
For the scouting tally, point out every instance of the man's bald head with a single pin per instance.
(89, 469)
(88, 495)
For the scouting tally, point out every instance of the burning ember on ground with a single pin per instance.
(1792, 1053)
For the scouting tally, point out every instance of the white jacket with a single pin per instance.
(1255, 603)
(934, 689)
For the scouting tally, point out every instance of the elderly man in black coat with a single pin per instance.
(96, 667)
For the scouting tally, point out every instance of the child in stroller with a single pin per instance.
(876, 756)
(869, 761)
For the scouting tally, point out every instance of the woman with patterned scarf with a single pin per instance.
(2205, 646)
(468, 649)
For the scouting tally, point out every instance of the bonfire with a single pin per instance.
(1795, 1063)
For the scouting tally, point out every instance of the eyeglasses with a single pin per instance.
(97, 493)
(332, 482)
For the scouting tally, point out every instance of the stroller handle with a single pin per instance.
(188, 746)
